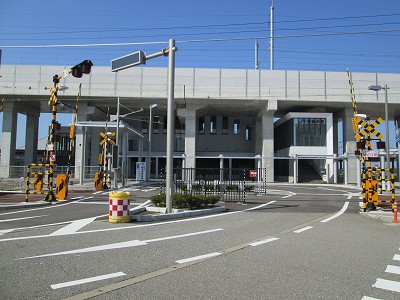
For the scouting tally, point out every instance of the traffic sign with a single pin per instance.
(107, 138)
(253, 173)
(127, 61)
(370, 153)
(369, 129)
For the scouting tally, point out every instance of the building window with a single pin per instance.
(248, 133)
(145, 126)
(165, 125)
(310, 132)
(236, 126)
(213, 125)
(156, 124)
(201, 125)
(225, 126)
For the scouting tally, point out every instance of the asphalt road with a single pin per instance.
(296, 242)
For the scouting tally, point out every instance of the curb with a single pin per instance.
(176, 215)
(24, 205)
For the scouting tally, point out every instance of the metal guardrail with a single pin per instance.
(231, 185)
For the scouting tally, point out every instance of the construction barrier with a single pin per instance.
(49, 193)
(61, 187)
(98, 181)
(38, 181)
(119, 207)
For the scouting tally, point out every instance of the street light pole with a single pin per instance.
(170, 127)
(387, 129)
(148, 167)
(377, 88)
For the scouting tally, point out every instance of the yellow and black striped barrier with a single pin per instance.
(372, 187)
(98, 181)
(61, 187)
(50, 195)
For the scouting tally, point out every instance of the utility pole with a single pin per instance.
(271, 35)
(257, 62)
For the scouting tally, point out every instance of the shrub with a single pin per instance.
(158, 200)
(186, 201)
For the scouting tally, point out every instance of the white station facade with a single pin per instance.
(293, 124)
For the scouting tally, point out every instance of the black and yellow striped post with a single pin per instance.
(371, 186)
(49, 191)
(62, 186)
(393, 189)
(98, 181)
(38, 181)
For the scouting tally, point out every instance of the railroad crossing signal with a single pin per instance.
(107, 138)
(368, 129)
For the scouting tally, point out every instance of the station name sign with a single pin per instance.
(370, 153)
(127, 61)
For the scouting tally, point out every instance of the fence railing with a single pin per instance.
(20, 171)
(230, 184)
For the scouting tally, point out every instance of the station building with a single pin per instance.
(293, 124)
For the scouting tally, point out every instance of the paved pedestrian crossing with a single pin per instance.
(391, 285)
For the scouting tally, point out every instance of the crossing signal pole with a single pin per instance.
(77, 71)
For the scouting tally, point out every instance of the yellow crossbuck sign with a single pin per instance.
(107, 138)
(369, 129)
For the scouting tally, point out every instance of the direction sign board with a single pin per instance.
(370, 153)
(127, 61)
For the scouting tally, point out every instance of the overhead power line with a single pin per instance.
(202, 40)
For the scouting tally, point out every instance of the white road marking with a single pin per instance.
(141, 225)
(76, 198)
(351, 195)
(127, 244)
(98, 192)
(369, 298)
(263, 242)
(183, 235)
(182, 261)
(17, 219)
(290, 195)
(86, 280)
(73, 227)
(392, 269)
(396, 257)
(389, 285)
(39, 208)
(302, 229)
(4, 231)
(339, 213)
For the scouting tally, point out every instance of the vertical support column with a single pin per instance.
(295, 168)
(335, 177)
(190, 136)
(80, 146)
(267, 152)
(124, 157)
(349, 144)
(31, 138)
(8, 138)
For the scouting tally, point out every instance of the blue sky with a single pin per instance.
(363, 35)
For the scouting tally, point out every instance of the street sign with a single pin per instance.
(253, 173)
(370, 153)
(140, 171)
(127, 61)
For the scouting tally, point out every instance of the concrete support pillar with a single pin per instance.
(349, 144)
(80, 147)
(124, 157)
(190, 136)
(95, 145)
(8, 138)
(335, 175)
(267, 153)
(31, 138)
